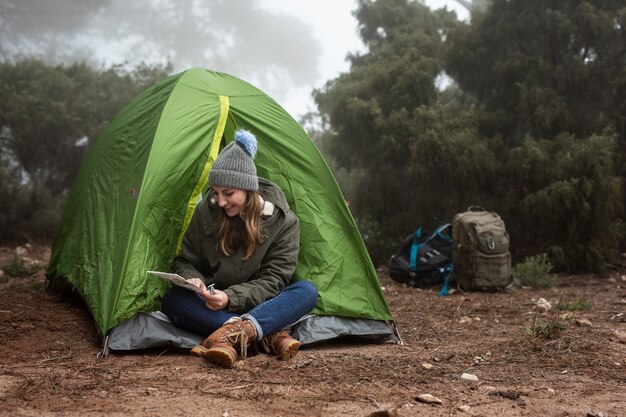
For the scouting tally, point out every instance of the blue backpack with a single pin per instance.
(423, 262)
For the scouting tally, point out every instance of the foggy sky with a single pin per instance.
(266, 48)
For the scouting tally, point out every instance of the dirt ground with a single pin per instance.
(572, 364)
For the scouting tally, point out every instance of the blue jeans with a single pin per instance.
(187, 309)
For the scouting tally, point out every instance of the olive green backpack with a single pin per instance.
(482, 260)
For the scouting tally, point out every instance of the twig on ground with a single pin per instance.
(236, 387)
(69, 355)
(75, 324)
(375, 402)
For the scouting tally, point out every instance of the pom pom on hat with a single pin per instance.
(247, 141)
(234, 166)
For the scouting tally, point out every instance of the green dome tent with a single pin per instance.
(142, 179)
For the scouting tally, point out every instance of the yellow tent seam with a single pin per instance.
(215, 148)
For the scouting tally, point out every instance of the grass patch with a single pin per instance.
(550, 331)
(16, 267)
(581, 304)
(535, 272)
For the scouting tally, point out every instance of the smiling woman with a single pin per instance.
(244, 239)
(232, 200)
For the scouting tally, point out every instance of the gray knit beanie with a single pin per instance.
(234, 166)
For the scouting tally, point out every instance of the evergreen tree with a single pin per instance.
(48, 117)
(389, 139)
(542, 68)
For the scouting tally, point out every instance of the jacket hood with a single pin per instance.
(272, 192)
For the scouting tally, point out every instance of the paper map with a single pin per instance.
(176, 280)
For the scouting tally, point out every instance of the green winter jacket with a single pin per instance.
(262, 276)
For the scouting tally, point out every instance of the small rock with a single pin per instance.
(511, 395)
(476, 318)
(469, 377)
(542, 303)
(465, 408)
(566, 316)
(303, 363)
(582, 322)
(428, 399)
(612, 280)
(465, 319)
(620, 335)
(427, 366)
(20, 251)
(551, 391)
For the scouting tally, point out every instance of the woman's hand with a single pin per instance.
(197, 282)
(217, 301)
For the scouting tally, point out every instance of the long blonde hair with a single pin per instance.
(244, 229)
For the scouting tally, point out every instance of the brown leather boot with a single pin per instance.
(219, 347)
(281, 344)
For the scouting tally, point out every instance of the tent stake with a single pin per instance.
(397, 333)
(105, 347)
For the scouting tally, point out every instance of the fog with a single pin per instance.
(261, 41)
(270, 49)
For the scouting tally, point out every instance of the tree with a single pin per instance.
(48, 117)
(381, 127)
(533, 127)
(543, 68)
(549, 82)
(572, 206)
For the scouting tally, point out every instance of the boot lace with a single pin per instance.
(268, 342)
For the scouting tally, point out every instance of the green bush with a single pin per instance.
(573, 207)
(581, 304)
(535, 272)
(549, 331)
(16, 267)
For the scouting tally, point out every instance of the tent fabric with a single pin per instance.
(139, 184)
(146, 330)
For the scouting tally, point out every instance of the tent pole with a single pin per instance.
(397, 333)
(105, 346)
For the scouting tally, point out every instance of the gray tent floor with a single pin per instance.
(154, 329)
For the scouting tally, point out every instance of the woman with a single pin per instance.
(243, 239)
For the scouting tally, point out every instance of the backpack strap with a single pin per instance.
(446, 281)
(414, 247)
(440, 230)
